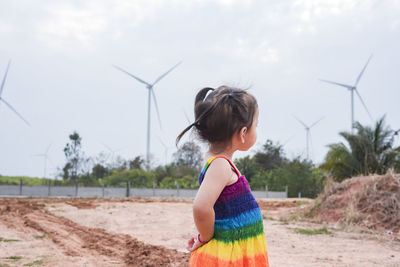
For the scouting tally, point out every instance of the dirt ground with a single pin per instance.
(154, 232)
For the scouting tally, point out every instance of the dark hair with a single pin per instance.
(221, 113)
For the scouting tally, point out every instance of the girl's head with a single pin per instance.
(222, 114)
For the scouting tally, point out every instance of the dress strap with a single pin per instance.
(203, 172)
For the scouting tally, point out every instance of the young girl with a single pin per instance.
(225, 212)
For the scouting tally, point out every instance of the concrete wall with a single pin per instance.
(69, 191)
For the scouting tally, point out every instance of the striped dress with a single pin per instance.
(239, 238)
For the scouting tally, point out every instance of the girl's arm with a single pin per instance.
(218, 175)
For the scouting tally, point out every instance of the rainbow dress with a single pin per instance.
(239, 238)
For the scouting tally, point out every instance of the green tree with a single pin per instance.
(298, 175)
(259, 180)
(248, 167)
(137, 163)
(270, 156)
(368, 150)
(186, 181)
(99, 171)
(161, 172)
(189, 155)
(136, 177)
(75, 158)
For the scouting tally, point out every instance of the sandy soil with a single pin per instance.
(142, 232)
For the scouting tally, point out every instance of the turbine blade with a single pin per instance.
(38, 155)
(133, 76)
(47, 150)
(300, 122)
(362, 71)
(162, 76)
(155, 103)
(16, 112)
(340, 84)
(365, 106)
(4, 78)
(51, 162)
(186, 116)
(109, 148)
(164, 145)
(316, 122)
(288, 140)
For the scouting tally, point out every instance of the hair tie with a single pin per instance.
(208, 93)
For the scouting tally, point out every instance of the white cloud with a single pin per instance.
(308, 14)
(225, 2)
(134, 12)
(4, 27)
(246, 49)
(309, 10)
(67, 24)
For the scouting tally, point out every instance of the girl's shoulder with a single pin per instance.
(220, 168)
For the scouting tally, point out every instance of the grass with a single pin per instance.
(302, 202)
(284, 220)
(320, 231)
(37, 262)
(310, 211)
(40, 236)
(268, 218)
(14, 258)
(291, 218)
(8, 240)
(4, 265)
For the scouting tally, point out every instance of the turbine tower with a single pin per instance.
(46, 158)
(352, 89)
(308, 134)
(166, 148)
(4, 101)
(150, 88)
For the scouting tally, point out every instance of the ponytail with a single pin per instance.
(200, 98)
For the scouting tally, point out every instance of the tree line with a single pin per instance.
(366, 150)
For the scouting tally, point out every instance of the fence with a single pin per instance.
(107, 192)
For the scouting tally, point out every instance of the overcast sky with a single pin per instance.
(61, 77)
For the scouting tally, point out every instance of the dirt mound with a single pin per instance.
(94, 244)
(149, 255)
(368, 201)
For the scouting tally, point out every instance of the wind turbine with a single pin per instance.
(186, 116)
(288, 140)
(150, 88)
(112, 152)
(352, 89)
(308, 134)
(166, 148)
(46, 158)
(4, 101)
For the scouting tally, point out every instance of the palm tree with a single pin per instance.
(369, 150)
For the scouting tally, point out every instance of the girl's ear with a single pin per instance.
(242, 134)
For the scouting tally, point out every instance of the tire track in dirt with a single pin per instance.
(94, 244)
